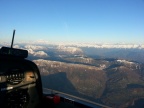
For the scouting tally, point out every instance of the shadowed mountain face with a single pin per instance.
(59, 82)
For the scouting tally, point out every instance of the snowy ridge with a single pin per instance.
(72, 50)
(93, 44)
(131, 65)
(35, 44)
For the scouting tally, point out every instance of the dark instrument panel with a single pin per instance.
(20, 83)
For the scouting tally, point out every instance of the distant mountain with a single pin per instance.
(131, 52)
(82, 44)
(35, 47)
(69, 50)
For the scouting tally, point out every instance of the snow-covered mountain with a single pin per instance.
(70, 50)
(35, 44)
(132, 52)
(41, 54)
(94, 44)
(35, 47)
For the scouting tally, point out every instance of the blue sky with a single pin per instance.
(110, 21)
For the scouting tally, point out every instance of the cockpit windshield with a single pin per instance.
(87, 49)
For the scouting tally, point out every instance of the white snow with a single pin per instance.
(35, 47)
(125, 61)
(71, 50)
(40, 54)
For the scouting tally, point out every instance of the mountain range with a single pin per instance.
(112, 76)
(117, 83)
